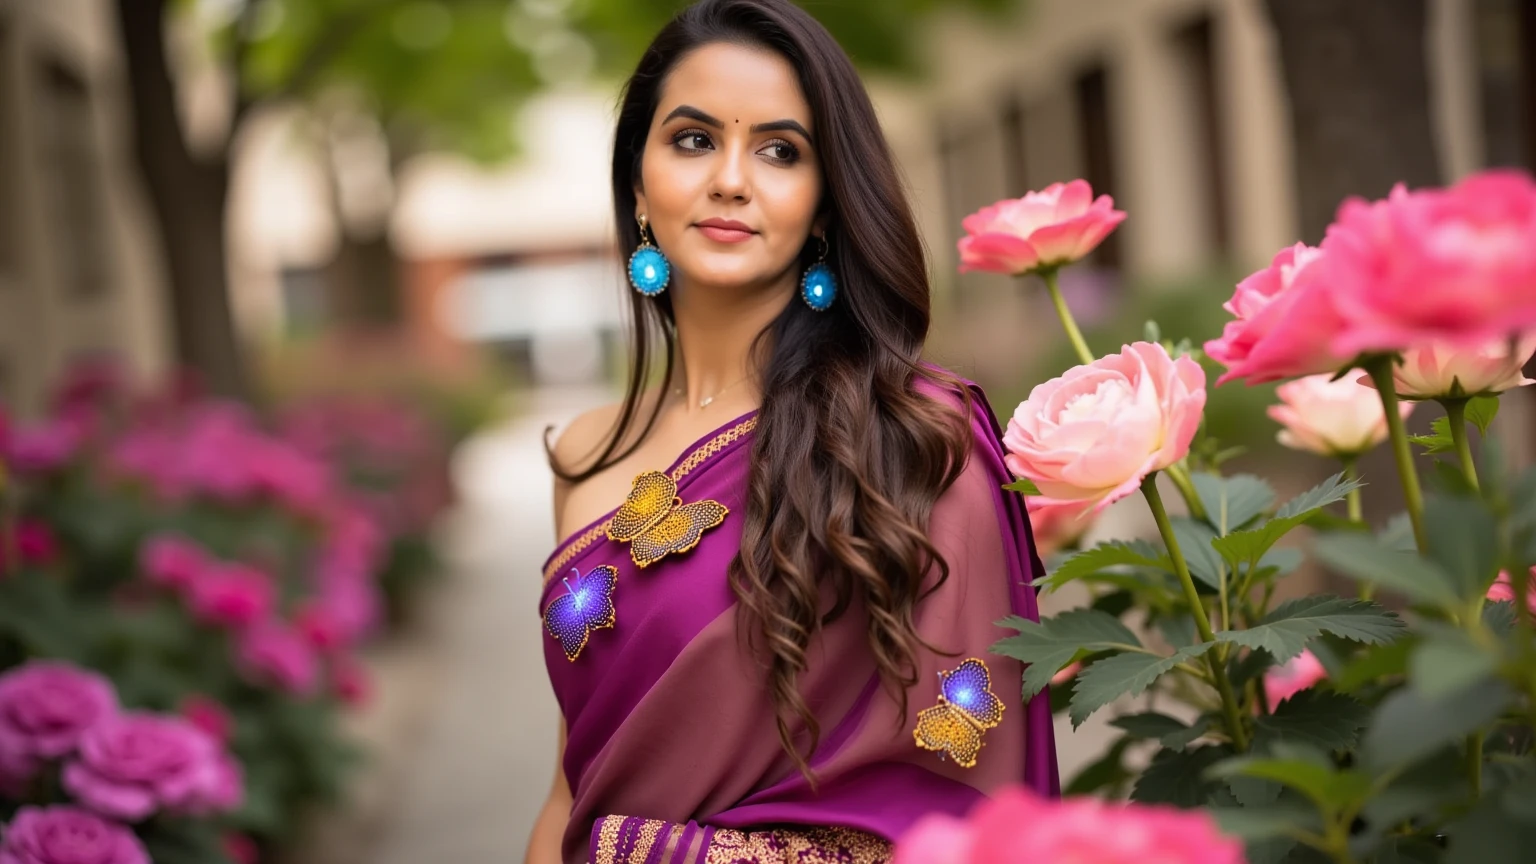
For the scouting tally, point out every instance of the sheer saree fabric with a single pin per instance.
(672, 753)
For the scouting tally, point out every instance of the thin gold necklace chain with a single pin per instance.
(704, 403)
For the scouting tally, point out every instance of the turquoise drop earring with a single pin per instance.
(818, 288)
(649, 270)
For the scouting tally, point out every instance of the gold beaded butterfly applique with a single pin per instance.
(967, 708)
(656, 523)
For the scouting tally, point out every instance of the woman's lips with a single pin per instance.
(725, 235)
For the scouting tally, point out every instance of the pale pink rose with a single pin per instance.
(1296, 675)
(68, 835)
(274, 654)
(1016, 826)
(1065, 674)
(1285, 323)
(231, 594)
(1443, 369)
(1436, 265)
(1331, 418)
(172, 561)
(1503, 590)
(1093, 434)
(1050, 228)
(1056, 526)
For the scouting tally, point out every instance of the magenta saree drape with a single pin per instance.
(672, 753)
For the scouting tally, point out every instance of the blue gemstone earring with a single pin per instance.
(818, 288)
(649, 270)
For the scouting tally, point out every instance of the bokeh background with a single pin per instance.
(284, 201)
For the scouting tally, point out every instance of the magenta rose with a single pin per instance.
(68, 835)
(1091, 436)
(1018, 826)
(1453, 265)
(172, 561)
(275, 654)
(135, 764)
(46, 707)
(231, 594)
(1285, 323)
(1050, 228)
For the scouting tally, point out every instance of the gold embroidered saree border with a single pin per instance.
(628, 840)
(693, 460)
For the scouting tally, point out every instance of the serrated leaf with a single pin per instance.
(1285, 631)
(1185, 737)
(1194, 539)
(1376, 664)
(1447, 660)
(1024, 485)
(1328, 721)
(1439, 440)
(1463, 540)
(1397, 534)
(1408, 726)
(1115, 553)
(1367, 560)
(1253, 792)
(1122, 675)
(1179, 777)
(1251, 544)
(1149, 724)
(1232, 502)
(1255, 823)
(1051, 643)
(1481, 410)
(1329, 788)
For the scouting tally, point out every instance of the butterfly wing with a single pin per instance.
(650, 498)
(678, 531)
(586, 606)
(969, 689)
(945, 730)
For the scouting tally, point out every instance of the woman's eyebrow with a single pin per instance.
(774, 126)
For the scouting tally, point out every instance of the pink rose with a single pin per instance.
(275, 654)
(1066, 673)
(1331, 418)
(35, 544)
(1018, 826)
(1285, 323)
(231, 594)
(1093, 434)
(1056, 525)
(1503, 590)
(135, 764)
(1042, 230)
(208, 715)
(46, 707)
(68, 835)
(1443, 369)
(1299, 673)
(1436, 265)
(46, 446)
(172, 561)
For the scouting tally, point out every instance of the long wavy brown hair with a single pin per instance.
(848, 457)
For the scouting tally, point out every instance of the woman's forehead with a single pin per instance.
(737, 84)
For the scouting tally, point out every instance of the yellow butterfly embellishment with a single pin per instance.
(967, 707)
(656, 523)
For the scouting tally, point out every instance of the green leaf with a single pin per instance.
(1367, 560)
(1150, 724)
(1259, 823)
(1185, 737)
(1408, 725)
(1122, 675)
(1285, 631)
(1500, 617)
(1409, 850)
(1108, 771)
(1322, 719)
(1232, 502)
(1495, 832)
(1195, 542)
(1151, 332)
(1398, 534)
(1439, 441)
(1419, 792)
(1024, 485)
(1052, 643)
(1448, 661)
(1480, 412)
(1116, 553)
(1250, 545)
(1463, 540)
(1330, 789)
(1376, 664)
(1180, 777)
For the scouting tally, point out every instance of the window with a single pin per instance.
(72, 201)
(1196, 46)
(1094, 118)
(1015, 149)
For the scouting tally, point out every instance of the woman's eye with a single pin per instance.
(691, 140)
(781, 151)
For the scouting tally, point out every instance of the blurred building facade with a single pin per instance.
(77, 277)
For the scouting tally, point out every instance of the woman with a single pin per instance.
(776, 646)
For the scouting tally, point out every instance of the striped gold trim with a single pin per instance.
(694, 459)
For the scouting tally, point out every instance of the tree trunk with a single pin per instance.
(188, 197)
(1358, 79)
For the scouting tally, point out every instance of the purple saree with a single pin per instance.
(672, 754)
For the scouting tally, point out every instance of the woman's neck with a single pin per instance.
(716, 334)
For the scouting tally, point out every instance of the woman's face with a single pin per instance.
(729, 180)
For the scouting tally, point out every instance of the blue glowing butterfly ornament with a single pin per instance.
(818, 287)
(649, 270)
(967, 708)
(587, 605)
